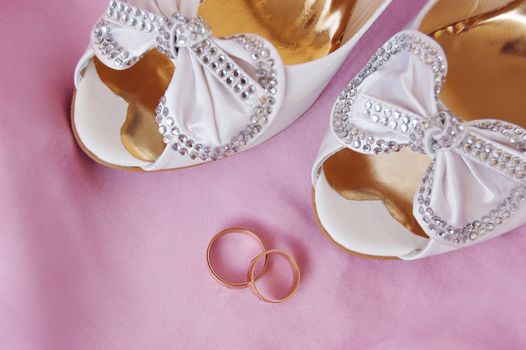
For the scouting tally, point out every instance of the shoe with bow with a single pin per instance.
(169, 84)
(408, 168)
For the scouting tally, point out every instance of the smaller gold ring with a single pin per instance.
(225, 232)
(252, 278)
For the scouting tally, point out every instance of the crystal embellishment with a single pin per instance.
(245, 88)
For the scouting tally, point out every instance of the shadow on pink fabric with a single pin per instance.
(94, 258)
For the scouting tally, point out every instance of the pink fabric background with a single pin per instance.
(94, 258)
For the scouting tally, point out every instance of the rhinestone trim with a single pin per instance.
(110, 48)
(394, 118)
(226, 69)
(509, 162)
(450, 132)
(171, 33)
(122, 13)
(474, 229)
(514, 134)
(342, 118)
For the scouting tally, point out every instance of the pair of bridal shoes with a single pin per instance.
(413, 164)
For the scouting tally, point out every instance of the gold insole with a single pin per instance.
(486, 79)
(142, 86)
(301, 31)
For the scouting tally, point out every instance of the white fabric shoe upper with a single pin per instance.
(474, 189)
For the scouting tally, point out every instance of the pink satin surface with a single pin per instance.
(95, 258)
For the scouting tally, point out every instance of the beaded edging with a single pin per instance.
(227, 71)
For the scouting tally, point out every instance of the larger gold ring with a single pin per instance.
(225, 232)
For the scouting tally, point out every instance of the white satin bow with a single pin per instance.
(477, 178)
(224, 92)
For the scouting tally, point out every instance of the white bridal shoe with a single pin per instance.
(408, 169)
(167, 84)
